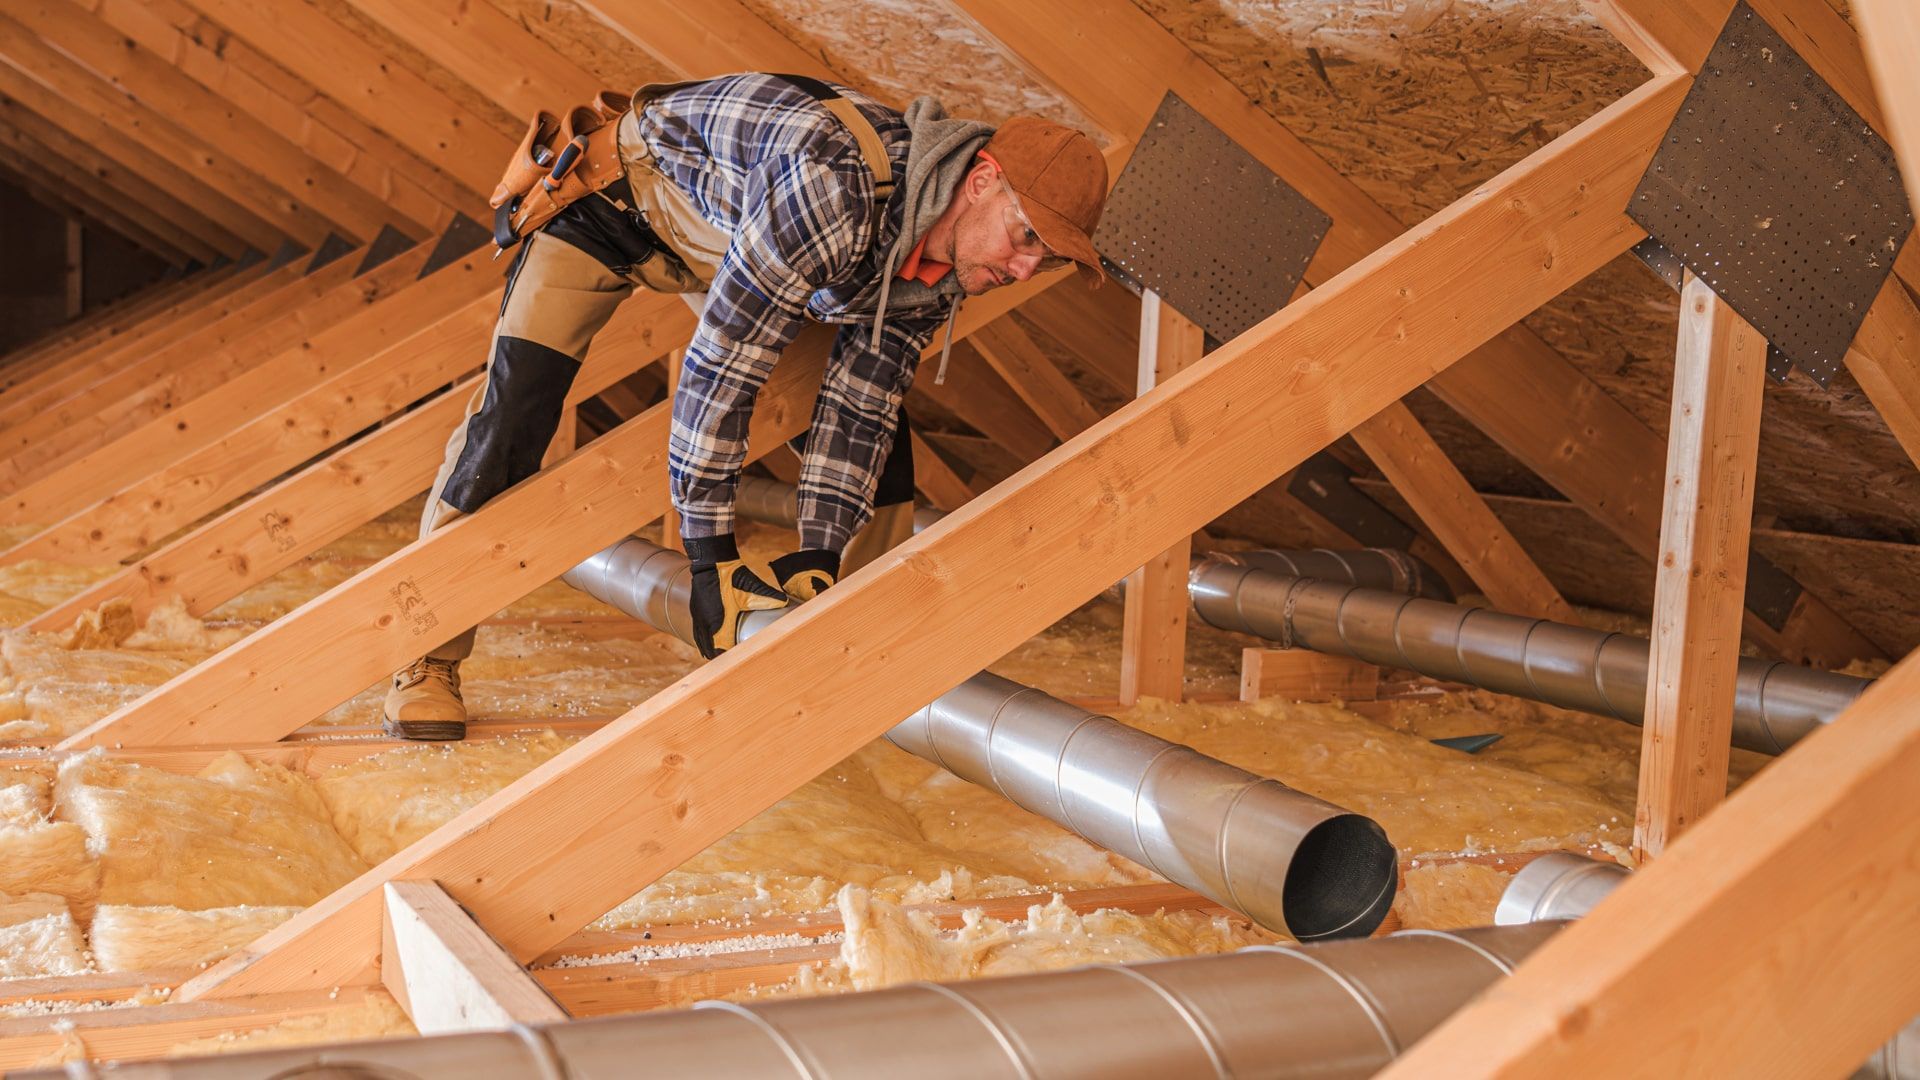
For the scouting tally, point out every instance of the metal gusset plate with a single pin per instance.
(1777, 194)
(1325, 484)
(463, 237)
(1197, 219)
(1671, 270)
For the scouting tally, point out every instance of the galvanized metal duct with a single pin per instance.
(1329, 1011)
(1289, 861)
(1594, 671)
(1558, 887)
(774, 502)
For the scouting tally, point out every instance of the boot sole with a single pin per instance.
(424, 730)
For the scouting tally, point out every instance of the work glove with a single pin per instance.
(806, 574)
(722, 592)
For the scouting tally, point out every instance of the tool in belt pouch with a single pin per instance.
(561, 161)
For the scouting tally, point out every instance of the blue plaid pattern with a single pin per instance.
(763, 160)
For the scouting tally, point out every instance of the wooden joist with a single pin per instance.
(1458, 517)
(270, 531)
(719, 37)
(706, 754)
(1304, 675)
(1153, 618)
(447, 973)
(489, 51)
(288, 176)
(1011, 352)
(1115, 62)
(318, 125)
(976, 394)
(68, 189)
(940, 486)
(378, 323)
(1891, 33)
(266, 686)
(376, 88)
(1713, 446)
(161, 380)
(207, 326)
(267, 442)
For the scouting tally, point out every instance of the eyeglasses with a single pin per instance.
(1026, 239)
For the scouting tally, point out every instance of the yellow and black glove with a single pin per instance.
(804, 575)
(722, 592)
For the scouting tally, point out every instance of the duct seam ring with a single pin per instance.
(1059, 763)
(766, 1027)
(1444, 935)
(1139, 783)
(545, 1058)
(1360, 997)
(1014, 1055)
(1180, 1006)
(1220, 852)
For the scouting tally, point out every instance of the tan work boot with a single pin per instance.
(424, 703)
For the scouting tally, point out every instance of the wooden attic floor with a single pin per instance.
(924, 854)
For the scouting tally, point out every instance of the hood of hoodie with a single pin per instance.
(938, 157)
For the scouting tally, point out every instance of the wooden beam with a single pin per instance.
(89, 91)
(268, 442)
(489, 51)
(268, 532)
(93, 114)
(1891, 33)
(1053, 398)
(1153, 620)
(58, 184)
(1822, 837)
(942, 488)
(1459, 518)
(167, 380)
(719, 37)
(204, 325)
(320, 126)
(1116, 62)
(706, 754)
(319, 359)
(152, 1031)
(375, 87)
(289, 177)
(976, 394)
(447, 973)
(1713, 446)
(126, 188)
(1304, 675)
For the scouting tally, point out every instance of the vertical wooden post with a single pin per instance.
(1714, 439)
(566, 438)
(76, 271)
(670, 521)
(1153, 627)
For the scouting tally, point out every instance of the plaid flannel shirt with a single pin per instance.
(764, 160)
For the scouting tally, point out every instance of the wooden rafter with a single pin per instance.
(1012, 353)
(295, 373)
(65, 343)
(57, 183)
(718, 37)
(447, 973)
(1266, 400)
(374, 87)
(488, 51)
(1115, 62)
(267, 532)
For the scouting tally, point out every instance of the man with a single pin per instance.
(786, 201)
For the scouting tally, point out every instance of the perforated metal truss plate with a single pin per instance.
(1198, 220)
(1778, 195)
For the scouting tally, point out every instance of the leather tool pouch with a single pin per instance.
(527, 197)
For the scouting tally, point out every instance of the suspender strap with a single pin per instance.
(872, 150)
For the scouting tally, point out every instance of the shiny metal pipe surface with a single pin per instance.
(1328, 1011)
(1594, 671)
(1560, 887)
(1291, 862)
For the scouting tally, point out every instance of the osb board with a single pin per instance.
(1827, 462)
(897, 50)
(577, 35)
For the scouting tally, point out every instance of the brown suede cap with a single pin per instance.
(1061, 179)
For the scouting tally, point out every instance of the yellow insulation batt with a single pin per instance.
(157, 938)
(1450, 896)
(235, 834)
(38, 937)
(37, 854)
(886, 945)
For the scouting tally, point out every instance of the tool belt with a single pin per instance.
(563, 159)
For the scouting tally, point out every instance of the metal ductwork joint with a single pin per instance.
(1560, 887)
(1335, 1011)
(1593, 671)
(1289, 861)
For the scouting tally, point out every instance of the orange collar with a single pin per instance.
(918, 268)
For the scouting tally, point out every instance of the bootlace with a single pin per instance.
(429, 667)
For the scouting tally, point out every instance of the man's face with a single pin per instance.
(992, 245)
